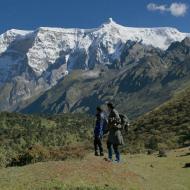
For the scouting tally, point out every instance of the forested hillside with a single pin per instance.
(28, 138)
(166, 127)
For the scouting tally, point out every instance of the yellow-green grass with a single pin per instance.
(137, 172)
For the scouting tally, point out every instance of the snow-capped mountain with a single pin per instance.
(34, 61)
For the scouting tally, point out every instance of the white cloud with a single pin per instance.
(155, 7)
(178, 9)
(175, 9)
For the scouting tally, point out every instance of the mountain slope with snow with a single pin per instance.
(48, 44)
(31, 62)
(147, 78)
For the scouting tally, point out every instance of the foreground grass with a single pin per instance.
(137, 172)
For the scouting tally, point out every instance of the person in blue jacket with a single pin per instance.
(99, 131)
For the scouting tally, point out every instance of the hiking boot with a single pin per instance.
(107, 160)
(101, 154)
(96, 154)
(116, 161)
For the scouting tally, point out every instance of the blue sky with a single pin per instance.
(31, 14)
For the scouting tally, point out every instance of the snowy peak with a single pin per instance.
(11, 35)
(109, 31)
(18, 32)
(160, 37)
(83, 48)
(110, 22)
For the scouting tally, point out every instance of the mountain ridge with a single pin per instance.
(146, 78)
(32, 62)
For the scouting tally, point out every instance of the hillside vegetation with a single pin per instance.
(166, 127)
(27, 138)
(62, 146)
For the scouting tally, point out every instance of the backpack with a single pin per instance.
(124, 122)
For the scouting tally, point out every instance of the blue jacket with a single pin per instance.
(101, 123)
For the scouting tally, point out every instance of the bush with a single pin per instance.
(39, 153)
(6, 156)
(3, 157)
(162, 153)
(152, 143)
(150, 152)
(36, 153)
(68, 152)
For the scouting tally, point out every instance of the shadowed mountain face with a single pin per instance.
(140, 80)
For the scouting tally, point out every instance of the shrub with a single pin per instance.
(152, 143)
(68, 152)
(162, 153)
(39, 153)
(3, 157)
(6, 156)
(36, 153)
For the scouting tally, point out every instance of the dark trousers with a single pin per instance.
(112, 147)
(98, 144)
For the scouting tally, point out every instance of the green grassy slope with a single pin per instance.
(137, 172)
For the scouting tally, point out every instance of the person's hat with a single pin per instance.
(98, 108)
(109, 104)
